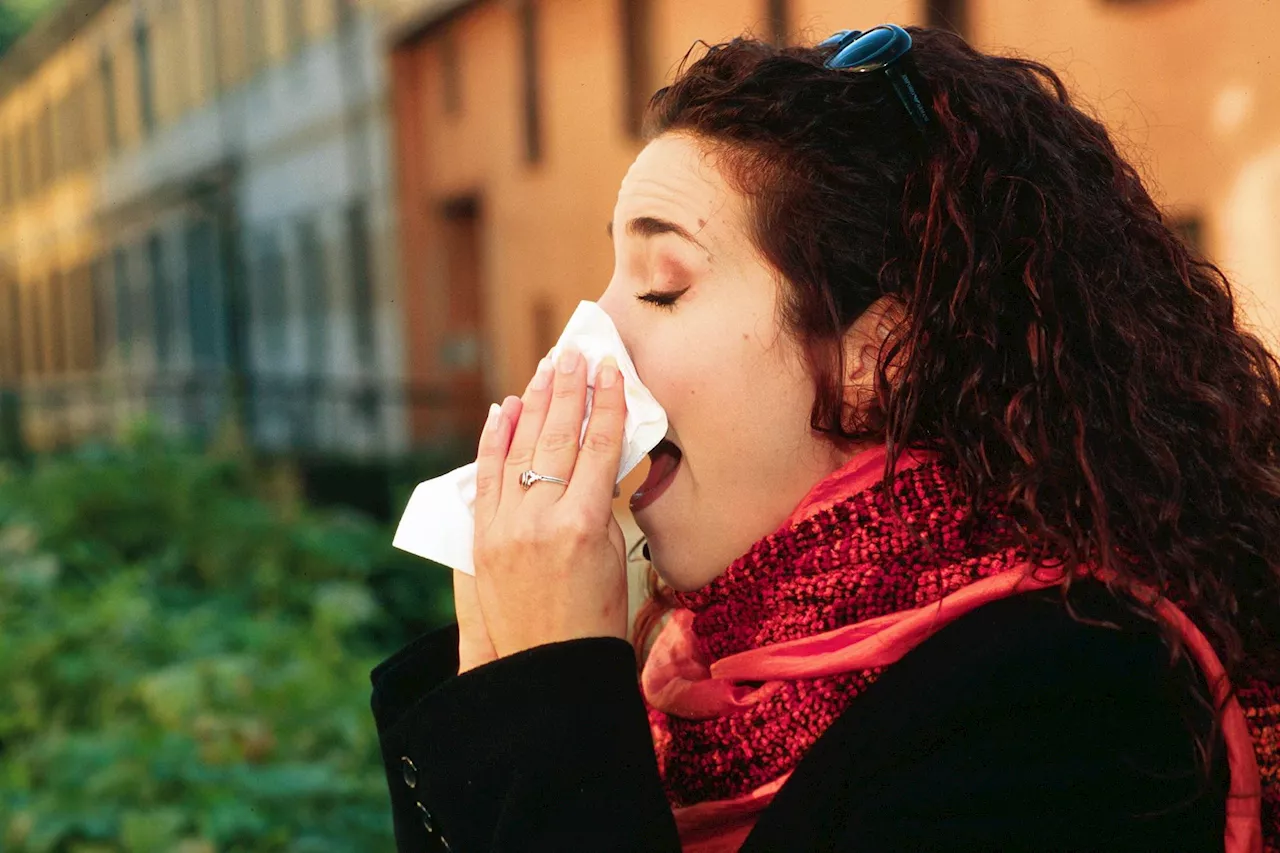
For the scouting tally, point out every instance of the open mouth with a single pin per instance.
(664, 461)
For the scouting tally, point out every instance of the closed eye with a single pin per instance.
(662, 298)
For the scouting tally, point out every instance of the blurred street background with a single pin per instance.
(263, 266)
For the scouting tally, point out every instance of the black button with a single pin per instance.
(428, 822)
(410, 772)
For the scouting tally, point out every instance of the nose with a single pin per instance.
(612, 302)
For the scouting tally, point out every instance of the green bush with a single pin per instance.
(186, 660)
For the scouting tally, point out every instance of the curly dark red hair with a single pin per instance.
(1060, 345)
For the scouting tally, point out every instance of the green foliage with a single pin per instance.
(17, 16)
(186, 662)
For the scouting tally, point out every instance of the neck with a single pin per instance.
(847, 523)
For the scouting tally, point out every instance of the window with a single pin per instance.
(6, 171)
(81, 327)
(776, 15)
(111, 128)
(62, 135)
(270, 288)
(13, 165)
(59, 139)
(637, 28)
(295, 25)
(361, 281)
(100, 285)
(146, 93)
(450, 74)
(46, 144)
(124, 310)
(10, 331)
(528, 12)
(1190, 230)
(545, 330)
(210, 71)
(254, 46)
(947, 14)
(315, 294)
(20, 364)
(204, 311)
(161, 300)
(27, 160)
(78, 126)
(34, 299)
(56, 320)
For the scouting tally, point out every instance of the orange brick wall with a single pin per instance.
(1193, 89)
(1188, 85)
(543, 223)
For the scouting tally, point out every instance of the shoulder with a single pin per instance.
(1043, 644)
(1082, 675)
(1039, 656)
(1029, 723)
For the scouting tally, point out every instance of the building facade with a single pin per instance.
(373, 216)
(516, 119)
(196, 222)
(1190, 91)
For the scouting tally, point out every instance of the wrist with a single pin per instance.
(472, 655)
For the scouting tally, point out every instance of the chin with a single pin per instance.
(654, 554)
(673, 574)
(672, 552)
(653, 522)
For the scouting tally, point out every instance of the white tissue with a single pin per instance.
(439, 522)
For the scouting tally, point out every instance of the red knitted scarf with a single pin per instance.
(843, 558)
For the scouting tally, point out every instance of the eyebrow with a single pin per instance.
(651, 226)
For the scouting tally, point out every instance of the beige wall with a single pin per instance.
(46, 231)
(50, 231)
(544, 222)
(1188, 85)
(1192, 87)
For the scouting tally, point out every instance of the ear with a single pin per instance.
(864, 341)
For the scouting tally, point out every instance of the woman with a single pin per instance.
(969, 513)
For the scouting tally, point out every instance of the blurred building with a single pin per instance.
(516, 119)
(1191, 90)
(196, 209)
(373, 216)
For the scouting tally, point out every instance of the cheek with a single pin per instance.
(723, 389)
(679, 385)
(721, 368)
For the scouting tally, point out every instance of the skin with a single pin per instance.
(549, 562)
(734, 383)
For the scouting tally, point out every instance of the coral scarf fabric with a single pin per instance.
(750, 672)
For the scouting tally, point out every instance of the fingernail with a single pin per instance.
(608, 373)
(494, 411)
(568, 361)
(542, 378)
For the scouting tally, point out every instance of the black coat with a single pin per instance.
(1016, 727)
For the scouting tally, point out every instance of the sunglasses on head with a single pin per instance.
(883, 48)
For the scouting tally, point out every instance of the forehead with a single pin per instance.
(673, 178)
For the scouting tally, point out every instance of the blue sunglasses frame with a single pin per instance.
(883, 48)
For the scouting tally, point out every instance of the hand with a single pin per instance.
(551, 561)
(474, 646)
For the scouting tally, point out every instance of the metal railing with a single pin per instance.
(276, 413)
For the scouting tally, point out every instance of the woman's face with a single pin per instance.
(698, 309)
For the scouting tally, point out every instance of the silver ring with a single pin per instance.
(528, 478)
